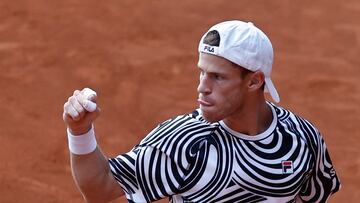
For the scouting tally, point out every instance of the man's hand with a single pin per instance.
(80, 111)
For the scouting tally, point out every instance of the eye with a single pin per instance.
(218, 77)
(202, 73)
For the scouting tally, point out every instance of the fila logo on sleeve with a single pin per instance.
(287, 167)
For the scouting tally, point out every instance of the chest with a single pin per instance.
(272, 161)
(271, 169)
(275, 167)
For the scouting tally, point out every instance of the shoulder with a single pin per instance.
(178, 130)
(289, 121)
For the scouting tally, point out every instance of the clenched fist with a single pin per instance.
(80, 111)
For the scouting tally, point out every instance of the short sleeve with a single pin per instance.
(146, 174)
(323, 180)
(164, 163)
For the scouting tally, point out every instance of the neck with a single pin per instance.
(254, 118)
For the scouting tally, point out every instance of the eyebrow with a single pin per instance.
(212, 72)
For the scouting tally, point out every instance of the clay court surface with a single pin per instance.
(140, 56)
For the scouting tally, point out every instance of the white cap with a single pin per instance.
(245, 45)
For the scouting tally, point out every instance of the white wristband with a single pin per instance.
(82, 144)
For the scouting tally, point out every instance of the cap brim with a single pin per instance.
(269, 87)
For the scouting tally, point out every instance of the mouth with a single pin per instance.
(204, 103)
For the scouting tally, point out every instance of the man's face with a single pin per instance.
(221, 88)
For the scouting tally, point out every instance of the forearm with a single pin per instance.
(92, 175)
(90, 169)
(89, 166)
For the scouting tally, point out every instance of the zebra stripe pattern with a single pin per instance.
(190, 160)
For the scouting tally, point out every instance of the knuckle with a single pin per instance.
(74, 93)
(78, 107)
(81, 100)
(66, 106)
(70, 99)
(78, 96)
(73, 100)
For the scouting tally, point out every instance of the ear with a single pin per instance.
(256, 81)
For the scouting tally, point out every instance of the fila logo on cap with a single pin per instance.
(287, 167)
(209, 49)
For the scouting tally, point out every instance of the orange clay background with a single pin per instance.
(140, 56)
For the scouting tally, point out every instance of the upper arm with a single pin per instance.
(146, 174)
(161, 164)
(323, 181)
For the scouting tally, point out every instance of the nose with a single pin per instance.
(204, 86)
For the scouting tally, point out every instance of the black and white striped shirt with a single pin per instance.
(190, 160)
